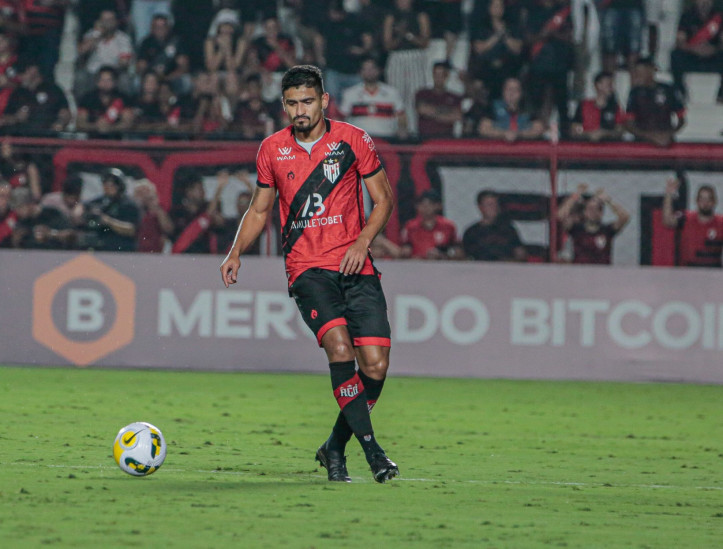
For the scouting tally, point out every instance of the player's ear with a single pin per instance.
(325, 101)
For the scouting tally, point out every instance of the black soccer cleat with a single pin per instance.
(383, 468)
(334, 462)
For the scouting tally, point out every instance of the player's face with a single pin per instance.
(305, 108)
(706, 202)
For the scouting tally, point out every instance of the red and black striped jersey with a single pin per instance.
(320, 194)
(41, 15)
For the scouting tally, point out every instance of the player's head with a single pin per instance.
(303, 97)
(488, 204)
(706, 200)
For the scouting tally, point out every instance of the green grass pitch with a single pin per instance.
(516, 464)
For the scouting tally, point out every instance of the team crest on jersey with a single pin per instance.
(601, 241)
(334, 149)
(331, 169)
(285, 153)
(712, 233)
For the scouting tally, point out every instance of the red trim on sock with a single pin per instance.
(348, 391)
(328, 326)
(380, 341)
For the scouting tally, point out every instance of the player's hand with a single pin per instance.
(229, 270)
(354, 258)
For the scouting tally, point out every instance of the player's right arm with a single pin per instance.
(252, 223)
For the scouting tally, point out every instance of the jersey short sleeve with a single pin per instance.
(368, 162)
(264, 173)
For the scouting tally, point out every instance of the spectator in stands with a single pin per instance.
(227, 233)
(10, 15)
(275, 51)
(111, 220)
(430, 235)
(88, 12)
(148, 115)
(192, 20)
(225, 46)
(591, 238)
(496, 47)
(493, 238)
(43, 30)
(8, 58)
(38, 227)
(177, 109)
(600, 118)
(549, 39)
(655, 110)
(105, 45)
(155, 225)
(162, 52)
(406, 37)
(439, 110)
(621, 23)
(507, 118)
(7, 216)
(67, 200)
(373, 105)
(37, 105)
(343, 43)
(475, 106)
(698, 44)
(700, 232)
(195, 219)
(143, 14)
(446, 22)
(105, 109)
(20, 171)
(212, 109)
(253, 117)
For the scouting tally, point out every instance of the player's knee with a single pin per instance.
(377, 368)
(339, 351)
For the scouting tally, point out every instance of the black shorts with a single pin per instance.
(328, 299)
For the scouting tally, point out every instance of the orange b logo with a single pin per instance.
(90, 282)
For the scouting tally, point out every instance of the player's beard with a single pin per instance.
(303, 124)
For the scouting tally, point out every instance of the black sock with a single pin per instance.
(351, 397)
(341, 432)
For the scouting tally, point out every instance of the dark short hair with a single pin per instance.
(484, 193)
(115, 176)
(107, 68)
(303, 75)
(431, 195)
(602, 74)
(442, 64)
(73, 186)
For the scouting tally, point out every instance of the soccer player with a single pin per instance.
(316, 165)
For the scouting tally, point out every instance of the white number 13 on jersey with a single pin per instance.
(318, 207)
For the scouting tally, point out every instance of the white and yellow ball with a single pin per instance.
(139, 449)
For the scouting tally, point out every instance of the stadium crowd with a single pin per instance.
(210, 69)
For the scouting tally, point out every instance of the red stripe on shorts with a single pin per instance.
(380, 341)
(328, 326)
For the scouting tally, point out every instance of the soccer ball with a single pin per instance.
(139, 449)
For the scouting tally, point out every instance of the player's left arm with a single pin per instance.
(381, 194)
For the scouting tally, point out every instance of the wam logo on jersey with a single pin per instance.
(331, 169)
(285, 153)
(334, 149)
